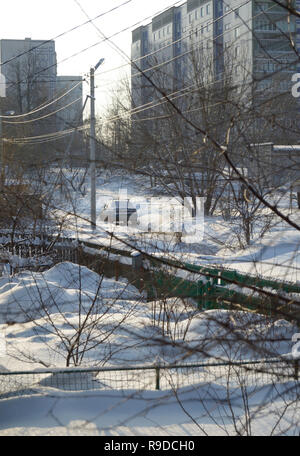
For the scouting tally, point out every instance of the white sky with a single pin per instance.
(44, 20)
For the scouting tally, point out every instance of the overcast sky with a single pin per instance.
(45, 20)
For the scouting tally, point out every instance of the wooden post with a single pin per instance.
(117, 271)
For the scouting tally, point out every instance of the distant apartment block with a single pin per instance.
(30, 69)
(70, 113)
(248, 42)
(71, 116)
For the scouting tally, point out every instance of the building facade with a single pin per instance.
(29, 67)
(248, 43)
(30, 71)
(71, 116)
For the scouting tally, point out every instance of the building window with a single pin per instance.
(202, 11)
(237, 13)
(227, 26)
(196, 14)
(265, 25)
(207, 9)
(236, 32)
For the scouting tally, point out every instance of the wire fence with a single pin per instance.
(156, 377)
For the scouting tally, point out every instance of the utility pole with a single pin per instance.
(1, 140)
(93, 146)
(2, 95)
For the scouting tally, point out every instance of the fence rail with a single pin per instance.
(155, 377)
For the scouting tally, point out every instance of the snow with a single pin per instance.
(41, 314)
(40, 310)
(276, 255)
(145, 414)
(30, 295)
(133, 333)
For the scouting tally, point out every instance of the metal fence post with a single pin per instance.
(137, 261)
(157, 387)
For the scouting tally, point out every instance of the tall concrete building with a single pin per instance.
(29, 67)
(161, 48)
(72, 115)
(248, 42)
(30, 70)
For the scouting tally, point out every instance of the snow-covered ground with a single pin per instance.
(42, 315)
(129, 414)
(45, 311)
(71, 315)
(275, 255)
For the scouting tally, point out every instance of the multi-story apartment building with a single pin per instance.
(72, 115)
(29, 67)
(246, 42)
(30, 71)
(161, 49)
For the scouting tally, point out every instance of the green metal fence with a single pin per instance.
(210, 291)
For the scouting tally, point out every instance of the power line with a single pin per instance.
(45, 116)
(262, 12)
(117, 33)
(43, 106)
(187, 35)
(150, 105)
(54, 135)
(43, 43)
(95, 44)
(139, 108)
(163, 63)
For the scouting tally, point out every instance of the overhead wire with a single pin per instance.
(43, 43)
(91, 46)
(45, 116)
(43, 106)
(138, 109)
(153, 104)
(104, 38)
